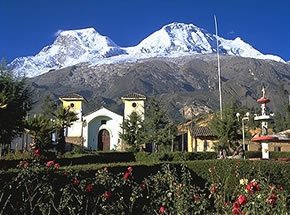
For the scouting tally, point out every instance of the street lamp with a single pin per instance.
(246, 117)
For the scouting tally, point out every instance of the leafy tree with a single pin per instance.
(40, 128)
(15, 99)
(63, 118)
(227, 128)
(158, 130)
(132, 131)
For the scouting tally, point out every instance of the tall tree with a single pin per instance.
(227, 128)
(132, 131)
(63, 118)
(15, 103)
(158, 130)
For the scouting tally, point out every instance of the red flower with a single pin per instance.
(252, 187)
(50, 164)
(127, 175)
(56, 165)
(24, 164)
(162, 210)
(130, 169)
(89, 188)
(37, 152)
(242, 199)
(75, 181)
(236, 209)
(272, 199)
(107, 195)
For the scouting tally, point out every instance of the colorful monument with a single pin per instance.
(264, 118)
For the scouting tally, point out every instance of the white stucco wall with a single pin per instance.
(93, 126)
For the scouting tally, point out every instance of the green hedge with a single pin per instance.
(225, 172)
(174, 156)
(279, 155)
(100, 157)
(272, 155)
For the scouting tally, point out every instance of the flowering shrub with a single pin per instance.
(45, 188)
(168, 192)
(256, 196)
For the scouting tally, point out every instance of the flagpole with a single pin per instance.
(219, 67)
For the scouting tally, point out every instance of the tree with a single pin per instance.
(132, 131)
(40, 127)
(282, 120)
(227, 128)
(63, 118)
(158, 130)
(48, 107)
(3, 101)
(15, 103)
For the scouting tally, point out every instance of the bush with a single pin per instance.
(253, 154)
(77, 159)
(174, 156)
(18, 155)
(279, 155)
(42, 188)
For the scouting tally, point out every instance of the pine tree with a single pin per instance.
(158, 130)
(227, 128)
(132, 131)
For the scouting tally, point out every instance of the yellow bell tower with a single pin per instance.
(134, 102)
(74, 102)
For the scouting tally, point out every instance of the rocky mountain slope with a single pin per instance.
(189, 81)
(88, 46)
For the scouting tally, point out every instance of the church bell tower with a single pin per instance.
(134, 102)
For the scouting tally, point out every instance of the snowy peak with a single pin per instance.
(87, 37)
(72, 47)
(69, 48)
(176, 38)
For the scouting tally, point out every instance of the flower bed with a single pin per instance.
(199, 187)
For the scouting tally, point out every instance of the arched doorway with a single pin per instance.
(104, 140)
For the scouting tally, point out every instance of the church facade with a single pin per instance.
(100, 129)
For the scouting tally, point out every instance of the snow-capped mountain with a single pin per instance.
(86, 45)
(69, 48)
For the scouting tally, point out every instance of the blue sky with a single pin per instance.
(29, 25)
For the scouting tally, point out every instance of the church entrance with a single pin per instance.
(104, 140)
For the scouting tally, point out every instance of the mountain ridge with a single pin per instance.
(73, 47)
(188, 81)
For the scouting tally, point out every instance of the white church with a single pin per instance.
(100, 129)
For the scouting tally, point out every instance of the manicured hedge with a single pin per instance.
(279, 155)
(174, 156)
(100, 157)
(272, 155)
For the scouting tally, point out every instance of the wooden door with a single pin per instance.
(104, 140)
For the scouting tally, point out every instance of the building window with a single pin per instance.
(103, 122)
(134, 104)
(72, 105)
(277, 149)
